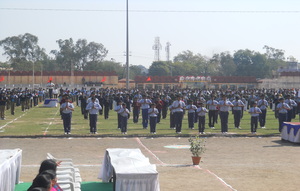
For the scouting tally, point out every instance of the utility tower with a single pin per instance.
(156, 47)
(168, 51)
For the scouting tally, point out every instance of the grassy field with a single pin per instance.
(40, 121)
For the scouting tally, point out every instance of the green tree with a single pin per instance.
(185, 56)
(227, 65)
(79, 55)
(274, 53)
(188, 63)
(22, 50)
(135, 71)
(275, 58)
(184, 69)
(250, 63)
(66, 56)
(159, 68)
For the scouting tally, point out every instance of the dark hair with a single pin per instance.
(41, 180)
(37, 189)
(48, 164)
(51, 173)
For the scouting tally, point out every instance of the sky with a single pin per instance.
(206, 27)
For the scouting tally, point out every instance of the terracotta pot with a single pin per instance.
(196, 160)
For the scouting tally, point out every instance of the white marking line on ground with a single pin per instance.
(220, 179)
(45, 132)
(140, 142)
(12, 121)
(196, 166)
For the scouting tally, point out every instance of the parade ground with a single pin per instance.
(236, 161)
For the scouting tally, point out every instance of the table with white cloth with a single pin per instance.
(10, 168)
(130, 169)
(291, 132)
(50, 102)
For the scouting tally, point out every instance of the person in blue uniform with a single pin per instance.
(254, 112)
(177, 109)
(153, 112)
(93, 108)
(282, 109)
(212, 111)
(224, 106)
(237, 111)
(263, 106)
(67, 108)
(201, 112)
(191, 108)
(106, 104)
(118, 110)
(291, 104)
(124, 113)
(145, 105)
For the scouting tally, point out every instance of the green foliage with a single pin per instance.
(81, 55)
(197, 145)
(135, 71)
(159, 69)
(187, 63)
(224, 60)
(22, 50)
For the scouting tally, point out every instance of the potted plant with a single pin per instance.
(197, 148)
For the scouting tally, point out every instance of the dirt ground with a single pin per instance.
(229, 163)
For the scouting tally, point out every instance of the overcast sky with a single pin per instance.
(202, 26)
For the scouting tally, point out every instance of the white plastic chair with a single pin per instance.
(68, 176)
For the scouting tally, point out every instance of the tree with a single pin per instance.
(79, 55)
(250, 63)
(66, 56)
(159, 68)
(22, 50)
(273, 53)
(135, 71)
(184, 69)
(89, 53)
(275, 58)
(185, 56)
(227, 65)
(187, 63)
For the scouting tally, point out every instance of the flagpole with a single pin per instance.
(127, 48)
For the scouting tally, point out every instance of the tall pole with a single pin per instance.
(32, 75)
(127, 48)
(9, 78)
(42, 75)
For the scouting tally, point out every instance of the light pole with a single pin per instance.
(41, 74)
(127, 48)
(9, 69)
(32, 75)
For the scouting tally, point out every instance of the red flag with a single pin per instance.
(1, 78)
(148, 79)
(50, 79)
(104, 79)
